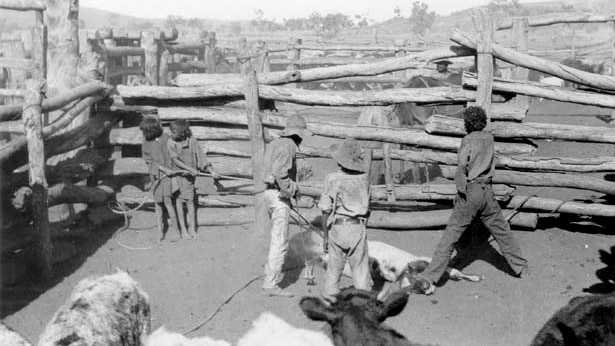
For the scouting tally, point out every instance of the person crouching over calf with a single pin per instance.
(345, 205)
(280, 194)
(474, 200)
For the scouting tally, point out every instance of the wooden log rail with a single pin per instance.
(558, 18)
(433, 192)
(523, 203)
(379, 219)
(389, 65)
(156, 95)
(535, 63)
(23, 5)
(545, 180)
(443, 125)
(357, 48)
(327, 60)
(394, 135)
(544, 91)
(13, 112)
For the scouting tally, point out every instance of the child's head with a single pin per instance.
(474, 119)
(180, 130)
(150, 126)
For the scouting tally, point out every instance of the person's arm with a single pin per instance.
(280, 167)
(201, 159)
(325, 231)
(461, 175)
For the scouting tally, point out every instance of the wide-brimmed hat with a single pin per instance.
(349, 155)
(442, 62)
(295, 125)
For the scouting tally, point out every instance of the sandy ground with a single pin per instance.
(187, 280)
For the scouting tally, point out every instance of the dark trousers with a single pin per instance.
(479, 203)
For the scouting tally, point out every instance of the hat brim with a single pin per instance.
(359, 165)
(290, 131)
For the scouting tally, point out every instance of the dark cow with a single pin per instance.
(356, 316)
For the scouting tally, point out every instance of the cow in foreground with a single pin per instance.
(356, 316)
(107, 310)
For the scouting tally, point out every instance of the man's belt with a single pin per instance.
(347, 220)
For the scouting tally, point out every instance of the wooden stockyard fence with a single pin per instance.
(229, 113)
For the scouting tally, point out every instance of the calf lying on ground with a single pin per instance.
(107, 310)
(356, 315)
(388, 263)
(585, 321)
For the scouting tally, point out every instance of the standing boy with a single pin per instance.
(186, 154)
(474, 199)
(280, 194)
(345, 204)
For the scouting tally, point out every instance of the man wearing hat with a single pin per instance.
(442, 66)
(345, 204)
(280, 195)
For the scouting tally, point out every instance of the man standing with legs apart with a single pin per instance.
(345, 204)
(280, 194)
(475, 199)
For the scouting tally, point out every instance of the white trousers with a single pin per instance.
(279, 212)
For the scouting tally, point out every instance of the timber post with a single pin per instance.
(612, 62)
(520, 40)
(257, 139)
(483, 23)
(388, 172)
(150, 60)
(293, 54)
(210, 52)
(33, 129)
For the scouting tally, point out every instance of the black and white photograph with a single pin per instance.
(307, 172)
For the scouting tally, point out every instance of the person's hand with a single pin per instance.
(193, 172)
(215, 175)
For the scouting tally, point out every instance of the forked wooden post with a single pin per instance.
(210, 52)
(33, 129)
(257, 140)
(483, 22)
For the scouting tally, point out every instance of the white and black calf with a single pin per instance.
(356, 316)
(392, 264)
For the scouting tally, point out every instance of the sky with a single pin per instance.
(378, 10)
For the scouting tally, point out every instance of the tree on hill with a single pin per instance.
(174, 21)
(421, 18)
(505, 8)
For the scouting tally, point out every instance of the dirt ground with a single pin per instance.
(187, 280)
